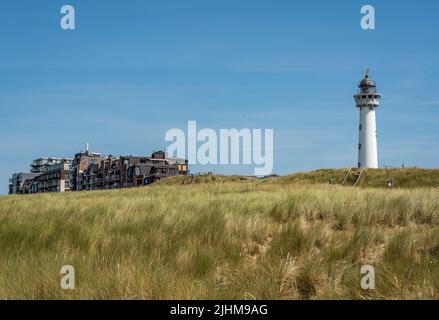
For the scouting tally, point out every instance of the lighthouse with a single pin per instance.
(367, 100)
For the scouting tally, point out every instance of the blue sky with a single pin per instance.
(134, 69)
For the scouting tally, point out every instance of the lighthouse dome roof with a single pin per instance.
(367, 82)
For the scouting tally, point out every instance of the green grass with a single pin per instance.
(225, 238)
(376, 178)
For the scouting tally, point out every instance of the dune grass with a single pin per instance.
(240, 239)
(375, 178)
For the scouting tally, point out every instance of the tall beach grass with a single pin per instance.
(243, 239)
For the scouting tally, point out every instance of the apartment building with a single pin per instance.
(39, 165)
(80, 164)
(53, 178)
(91, 171)
(18, 183)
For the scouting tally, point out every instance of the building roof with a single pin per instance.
(367, 82)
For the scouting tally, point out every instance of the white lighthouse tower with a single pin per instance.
(367, 100)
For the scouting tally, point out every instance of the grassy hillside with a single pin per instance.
(377, 178)
(402, 178)
(245, 239)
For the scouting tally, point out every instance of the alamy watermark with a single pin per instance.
(229, 146)
(68, 19)
(368, 280)
(368, 20)
(67, 277)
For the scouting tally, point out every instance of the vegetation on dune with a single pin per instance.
(376, 178)
(241, 239)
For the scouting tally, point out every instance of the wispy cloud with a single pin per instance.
(434, 103)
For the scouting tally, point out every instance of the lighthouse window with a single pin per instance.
(363, 97)
(370, 97)
(359, 146)
(361, 127)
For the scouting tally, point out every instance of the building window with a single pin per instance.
(361, 127)
(359, 146)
